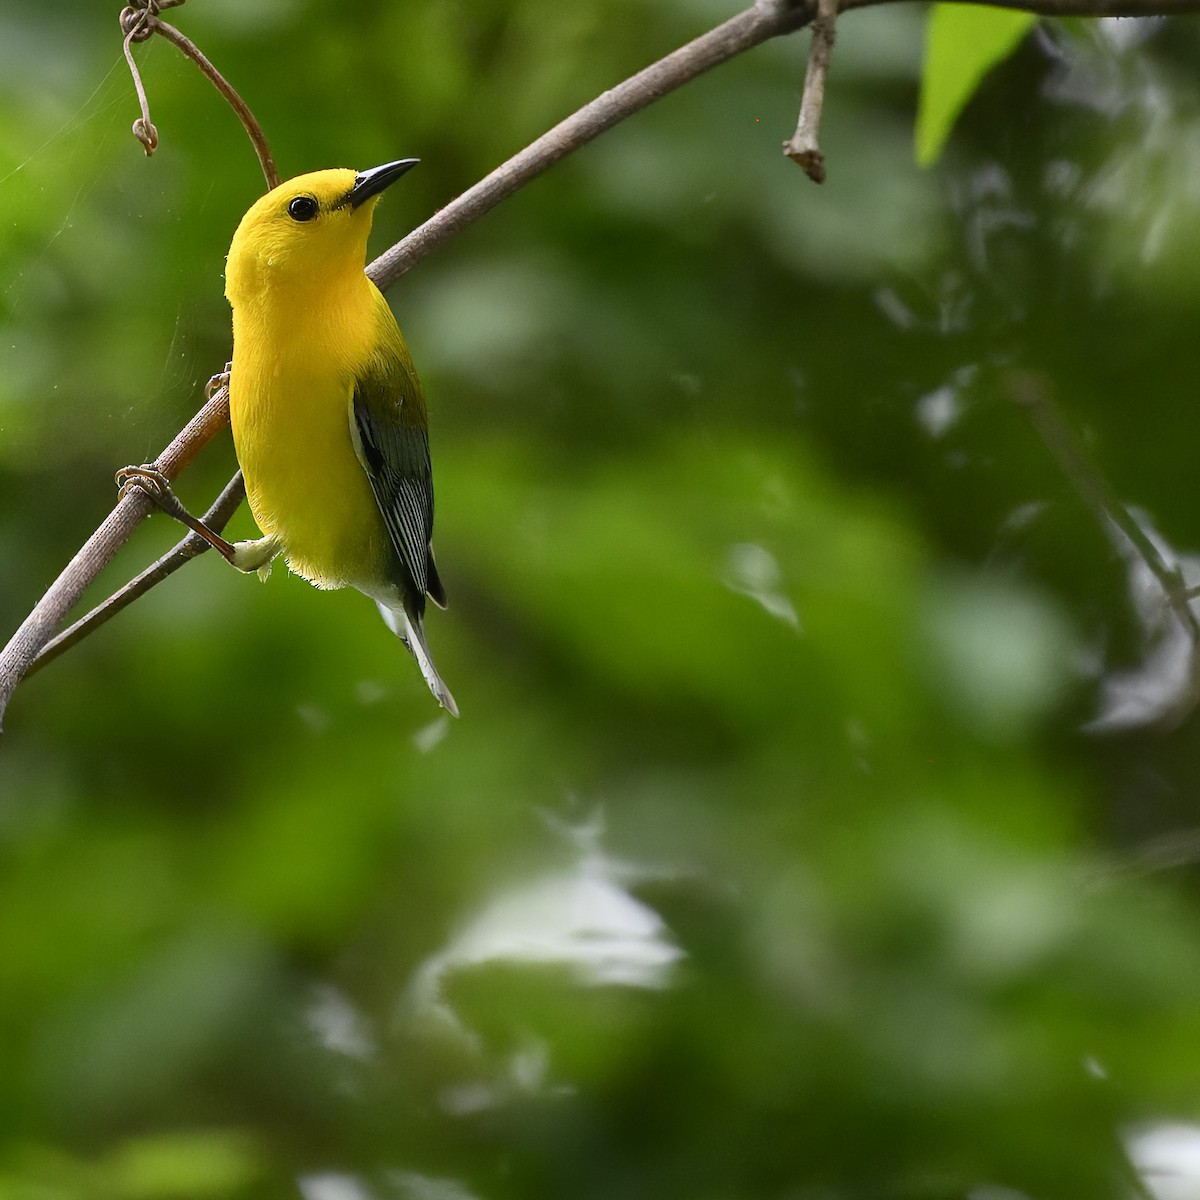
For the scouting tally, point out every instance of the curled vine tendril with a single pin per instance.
(139, 22)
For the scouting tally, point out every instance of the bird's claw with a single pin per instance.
(217, 382)
(146, 478)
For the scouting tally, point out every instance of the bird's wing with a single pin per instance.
(387, 422)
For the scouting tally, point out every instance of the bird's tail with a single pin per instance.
(412, 634)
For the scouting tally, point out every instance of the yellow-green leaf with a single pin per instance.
(963, 42)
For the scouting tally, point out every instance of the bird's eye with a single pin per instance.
(303, 208)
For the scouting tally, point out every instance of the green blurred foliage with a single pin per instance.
(962, 43)
(779, 851)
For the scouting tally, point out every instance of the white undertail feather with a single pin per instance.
(413, 636)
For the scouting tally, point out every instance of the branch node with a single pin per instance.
(137, 21)
(137, 24)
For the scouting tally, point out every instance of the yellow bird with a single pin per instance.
(329, 422)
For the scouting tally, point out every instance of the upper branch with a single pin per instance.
(1067, 8)
(765, 20)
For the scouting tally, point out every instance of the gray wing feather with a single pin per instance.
(396, 458)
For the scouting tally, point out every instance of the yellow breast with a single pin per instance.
(290, 407)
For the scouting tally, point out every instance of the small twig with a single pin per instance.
(192, 546)
(804, 147)
(1032, 393)
(140, 21)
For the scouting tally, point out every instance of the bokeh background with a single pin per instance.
(822, 820)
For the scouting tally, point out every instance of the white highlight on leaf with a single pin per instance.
(753, 571)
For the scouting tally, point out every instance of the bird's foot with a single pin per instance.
(149, 480)
(217, 382)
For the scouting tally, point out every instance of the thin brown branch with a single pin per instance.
(1032, 393)
(804, 146)
(757, 24)
(1067, 8)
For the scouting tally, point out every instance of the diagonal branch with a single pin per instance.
(757, 24)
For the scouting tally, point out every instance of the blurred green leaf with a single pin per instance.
(201, 1164)
(963, 42)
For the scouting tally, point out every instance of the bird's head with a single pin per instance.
(307, 230)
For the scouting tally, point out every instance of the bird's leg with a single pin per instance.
(249, 556)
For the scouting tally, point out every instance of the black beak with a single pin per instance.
(372, 182)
